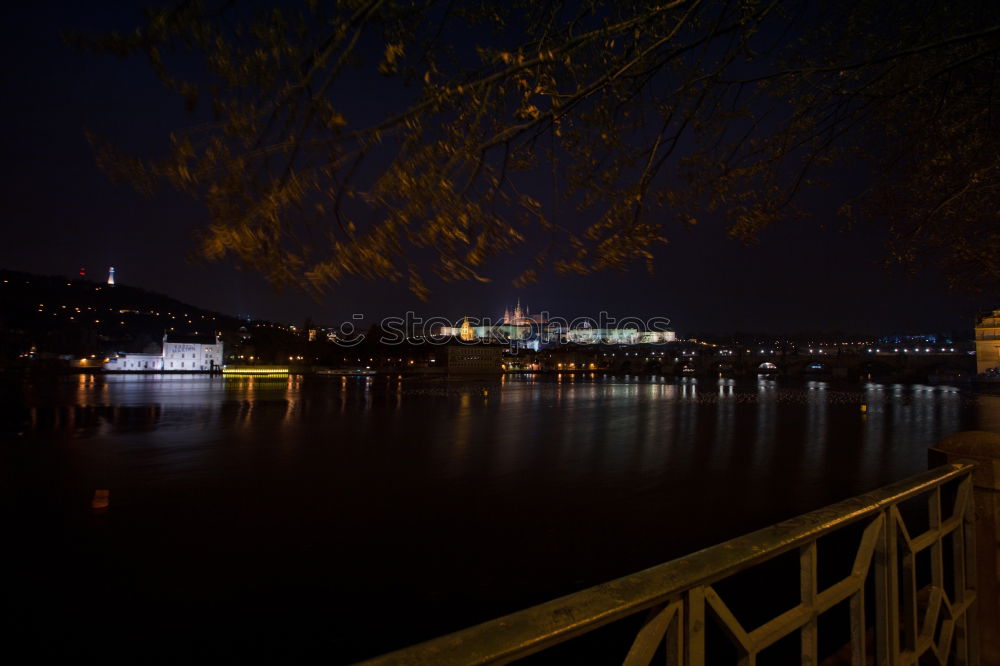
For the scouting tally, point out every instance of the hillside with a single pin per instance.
(53, 317)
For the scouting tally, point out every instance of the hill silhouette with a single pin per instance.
(52, 317)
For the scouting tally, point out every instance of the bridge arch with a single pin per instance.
(874, 370)
(947, 371)
(815, 366)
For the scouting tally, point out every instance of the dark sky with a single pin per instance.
(61, 213)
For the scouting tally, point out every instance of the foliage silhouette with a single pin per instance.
(589, 129)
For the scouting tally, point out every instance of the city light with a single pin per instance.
(256, 370)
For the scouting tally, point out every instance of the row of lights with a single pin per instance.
(98, 321)
(255, 371)
(906, 350)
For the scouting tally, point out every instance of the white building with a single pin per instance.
(192, 353)
(180, 354)
(135, 362)
(657, 337)
(602, 336)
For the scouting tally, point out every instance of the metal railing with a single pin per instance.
(907, 623)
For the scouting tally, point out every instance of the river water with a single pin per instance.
(309, 518)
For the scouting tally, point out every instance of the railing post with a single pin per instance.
(982, 448)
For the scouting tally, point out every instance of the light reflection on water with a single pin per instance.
(480, 494)
(620, 425)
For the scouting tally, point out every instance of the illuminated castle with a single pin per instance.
(519, 328)
(521, 318)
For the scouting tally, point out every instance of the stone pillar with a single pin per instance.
(982, 448)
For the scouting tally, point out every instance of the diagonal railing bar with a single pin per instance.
(859, 571)
(675, 638)
(677, 594)
(730, 625)
(931, 537)
(908, 621)
(930, 620)
(900, 526)
(866, 549)
(963, 635)
(773, 631)
(653, 632)
(943, 648)
(937, 547)
(837, 592)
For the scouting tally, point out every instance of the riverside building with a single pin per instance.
(988, 343)
(474, 359)
(180, 353)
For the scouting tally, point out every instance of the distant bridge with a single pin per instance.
(901, 366)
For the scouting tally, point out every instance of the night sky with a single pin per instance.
(61, 213)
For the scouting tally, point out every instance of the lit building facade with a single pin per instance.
(192, 353)
(517, 328)
(523, 330)
(474, 359)
(135, 363)
(617, 336)
(656, 337)
(988, 343)
(607, 336)
(179, 354)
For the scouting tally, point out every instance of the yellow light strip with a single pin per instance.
(255, 371)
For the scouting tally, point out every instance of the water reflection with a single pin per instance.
(439, 491)
(814, 444)
(592, 427)
(950, 404)
(873, 430)
(725, 416)
(765, 432)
